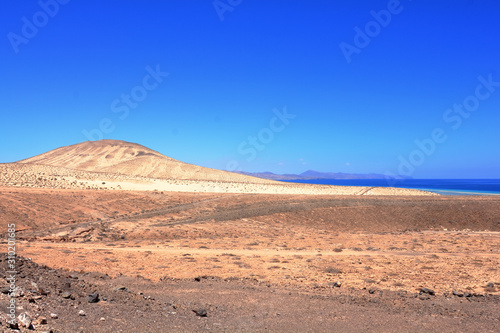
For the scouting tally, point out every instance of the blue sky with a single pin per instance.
(281, 86)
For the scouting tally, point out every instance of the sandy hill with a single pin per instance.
(120, 165)
(132, 159)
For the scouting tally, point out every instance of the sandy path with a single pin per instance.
(250, 252)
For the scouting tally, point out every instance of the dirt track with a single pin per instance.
(58, 210)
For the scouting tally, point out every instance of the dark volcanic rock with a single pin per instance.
(43, 291)
(427, 291)
(93, 298)
(200, 312)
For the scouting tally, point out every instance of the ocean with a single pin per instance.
(441, 186)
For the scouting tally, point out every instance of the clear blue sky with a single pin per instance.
(359, 100)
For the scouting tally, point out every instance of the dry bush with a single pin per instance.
(332, 270)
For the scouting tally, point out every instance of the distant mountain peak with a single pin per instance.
(311, 173)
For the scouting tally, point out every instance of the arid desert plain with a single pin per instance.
(111, 236)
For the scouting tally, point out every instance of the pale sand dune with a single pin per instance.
(113, 156)
(119, 165)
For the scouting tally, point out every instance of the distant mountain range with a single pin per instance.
(311, 174)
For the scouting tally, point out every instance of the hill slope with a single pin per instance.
(114, 156)
(120, 165)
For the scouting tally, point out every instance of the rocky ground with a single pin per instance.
(111, 261)
(64, 301)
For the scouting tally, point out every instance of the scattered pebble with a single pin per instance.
(200, 312)
(17, 292)
(93, 298)
(66, 294)
(25, 320)
(427, 291)
(43, 291)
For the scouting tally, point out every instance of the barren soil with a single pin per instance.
(254, 262)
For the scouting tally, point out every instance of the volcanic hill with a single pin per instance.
(132, 159)
(120, 165)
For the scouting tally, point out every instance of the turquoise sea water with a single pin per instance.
(441, 186)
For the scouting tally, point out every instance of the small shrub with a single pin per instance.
(332, 270)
